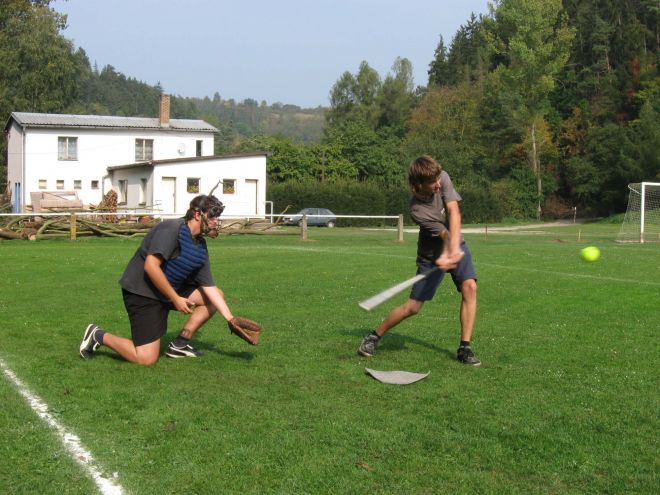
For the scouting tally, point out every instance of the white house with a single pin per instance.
(239, 181)
(152, 163)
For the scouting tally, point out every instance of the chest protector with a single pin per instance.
(192, 256)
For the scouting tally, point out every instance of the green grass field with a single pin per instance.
(566, 400)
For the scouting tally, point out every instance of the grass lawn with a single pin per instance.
(566, 400)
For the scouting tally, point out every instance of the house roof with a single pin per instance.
(26, 119)
(152, 163)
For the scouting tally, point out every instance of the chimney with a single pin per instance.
(164, 110)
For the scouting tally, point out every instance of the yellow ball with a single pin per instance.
(591, 253)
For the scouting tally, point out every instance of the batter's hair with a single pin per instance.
(208, 204)
(421, 170)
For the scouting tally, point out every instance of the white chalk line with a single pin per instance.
(575, 275)
(70, 441)
(518, 268)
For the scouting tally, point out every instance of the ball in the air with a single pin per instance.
(590, 254)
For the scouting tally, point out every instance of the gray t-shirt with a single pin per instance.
(163, 239)
(431, 216)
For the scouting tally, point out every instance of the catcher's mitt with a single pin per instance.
(246, 329)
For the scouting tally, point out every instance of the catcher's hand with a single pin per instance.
(246, 329)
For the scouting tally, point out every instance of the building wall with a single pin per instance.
(249, 174)
(15, 163)
(97, 150)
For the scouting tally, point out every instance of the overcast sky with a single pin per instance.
(287, 51)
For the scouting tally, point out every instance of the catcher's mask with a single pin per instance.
(210, 207)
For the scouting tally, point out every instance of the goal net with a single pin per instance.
(642, 220)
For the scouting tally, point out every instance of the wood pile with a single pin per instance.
(109, 205)
(35, 227)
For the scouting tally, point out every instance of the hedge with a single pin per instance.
(482, 201)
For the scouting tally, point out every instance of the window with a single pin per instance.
(143, 191)
(43, 184)
(67, 148)
(59, 184)
(199, 148)
(122, 185)
(144, 150)
(228, 186)
(77, 184)
(95, 184)
(193, 185)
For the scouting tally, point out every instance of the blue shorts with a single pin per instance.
(424, 290)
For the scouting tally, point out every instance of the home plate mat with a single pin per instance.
(397, 377)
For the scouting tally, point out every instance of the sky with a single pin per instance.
(280, 51)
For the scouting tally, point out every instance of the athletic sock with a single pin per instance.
(465, 343)
(98, 336)
(181, 341)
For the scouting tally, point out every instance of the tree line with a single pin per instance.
(537, 107)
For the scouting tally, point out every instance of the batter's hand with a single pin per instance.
(448, 262)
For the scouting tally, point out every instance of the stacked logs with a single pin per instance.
(35, 227)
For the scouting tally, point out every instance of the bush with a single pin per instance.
(343, 197)
(478, 204)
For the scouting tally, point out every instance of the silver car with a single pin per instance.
(320, 216)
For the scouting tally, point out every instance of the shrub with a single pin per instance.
(343, 197)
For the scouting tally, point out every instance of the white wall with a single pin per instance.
(97, 149)
(15, 162)
(210, 172)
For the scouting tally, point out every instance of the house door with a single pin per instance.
(251, 196)
(168, 195)
(16, 203)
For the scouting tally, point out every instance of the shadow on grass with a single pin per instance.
(202, 346)
(209, 347)
(393, 341)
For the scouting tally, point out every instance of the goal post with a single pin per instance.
(642, 220)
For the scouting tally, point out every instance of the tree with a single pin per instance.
(446, 125)
(39, 69)
(375, 154)
(354, 97)
(396, 97)
(535, 39)
(645, 139)
(467, 57)
(439, 67)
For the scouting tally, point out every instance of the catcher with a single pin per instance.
(171, 271)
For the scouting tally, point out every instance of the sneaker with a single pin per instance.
(89, 345)
(368, 346)
(466, 356)
(182, 352)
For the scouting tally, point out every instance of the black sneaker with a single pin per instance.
(89, 345)
(465, 355)
(368, 346)
(182, 352)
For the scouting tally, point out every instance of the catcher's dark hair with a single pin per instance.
(421, 170)
(208, 204)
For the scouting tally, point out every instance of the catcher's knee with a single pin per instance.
(146, 359)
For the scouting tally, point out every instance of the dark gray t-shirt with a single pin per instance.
(431, 216)
(163, 239)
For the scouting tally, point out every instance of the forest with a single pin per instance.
(536, 108)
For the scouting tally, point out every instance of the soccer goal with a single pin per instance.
(642, 220)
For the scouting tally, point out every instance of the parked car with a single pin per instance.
(325, 217)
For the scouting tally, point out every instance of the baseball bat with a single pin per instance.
(381, 297)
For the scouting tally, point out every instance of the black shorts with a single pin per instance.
(424, 290)
(148, 316)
